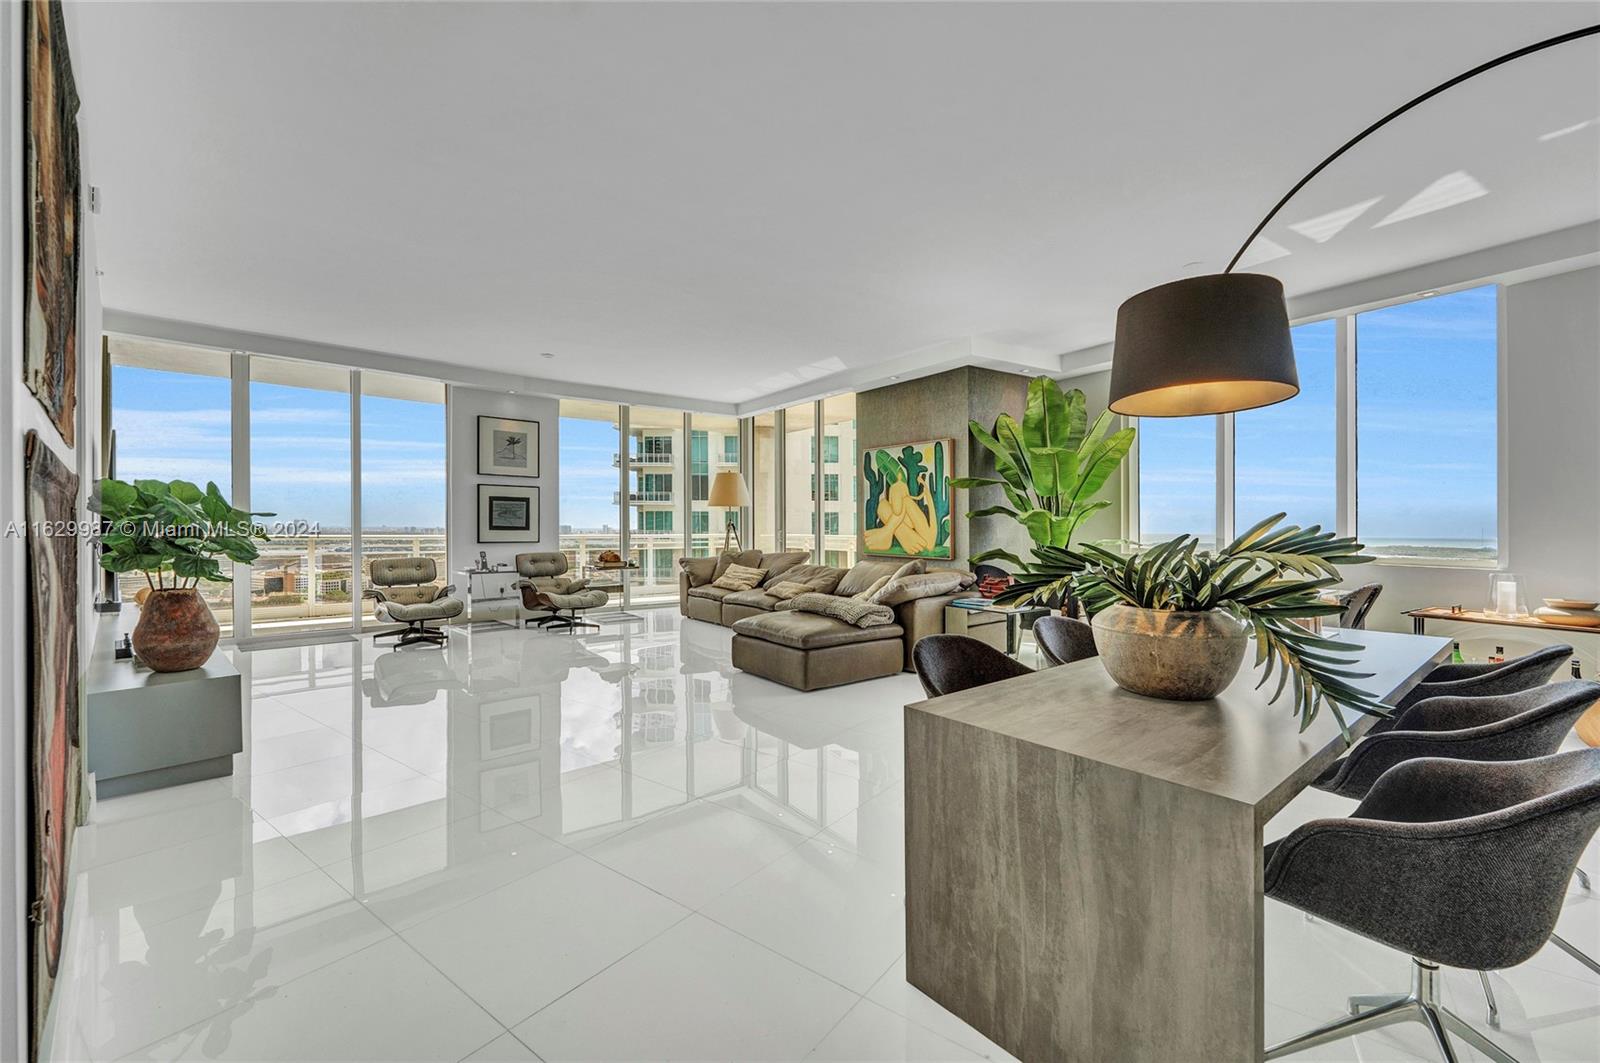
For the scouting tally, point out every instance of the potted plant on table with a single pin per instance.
(1050, 467)
(176, 535)
(1174, 621)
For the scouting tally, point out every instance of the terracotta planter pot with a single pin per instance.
(175, 632)
(1164, 653)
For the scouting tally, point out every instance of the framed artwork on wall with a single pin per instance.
(50, 498)
(906, 510)
(52, 240)
(508, 514)
(507, 447)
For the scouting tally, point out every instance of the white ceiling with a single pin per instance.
(715, 201)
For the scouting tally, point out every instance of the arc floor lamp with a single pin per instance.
(1220, 343)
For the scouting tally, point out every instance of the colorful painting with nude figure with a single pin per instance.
(907, 511)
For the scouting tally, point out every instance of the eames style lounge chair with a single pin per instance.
(1458, 863)
(552, 599)
(947, 664)
(406, 594)
(1063, 639)
(1480, 679)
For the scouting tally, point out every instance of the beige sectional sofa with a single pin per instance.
(807, 650)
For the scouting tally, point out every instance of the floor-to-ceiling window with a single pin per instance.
(288, 447)
(402, 472)
(839, 479)
(658, 472)
(713, 448)
(590, 449)
(802, 486)
(171, 419)
(300, 472)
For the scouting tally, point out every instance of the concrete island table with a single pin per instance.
(1083, 864)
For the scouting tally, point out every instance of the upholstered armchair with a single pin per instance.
(407, 594)
(548, 592)
(1458, 863)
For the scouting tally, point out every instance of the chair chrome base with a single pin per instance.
(417, 631)
(1422, 1005)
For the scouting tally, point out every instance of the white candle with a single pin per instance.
(1505, 599)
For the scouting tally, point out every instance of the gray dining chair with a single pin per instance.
(947, 664)
(1528, 723)
(1520, 726)
(1357, 604)
(1063, 639)
(1458, 863)
(1481, 679)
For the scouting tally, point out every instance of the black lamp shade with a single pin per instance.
(1212, 344)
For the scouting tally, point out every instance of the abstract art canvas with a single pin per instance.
(508, 447)
(907, 499)
(52, 247)
(51, 501)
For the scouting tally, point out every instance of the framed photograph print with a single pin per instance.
(508, 514)
(507, 447)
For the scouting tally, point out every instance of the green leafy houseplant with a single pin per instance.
(1050, 466)
(1267, 578)
(157, 528)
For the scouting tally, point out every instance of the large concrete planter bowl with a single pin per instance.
(176, 631)
(1163, 653)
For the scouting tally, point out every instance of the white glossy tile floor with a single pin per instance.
(613, 846)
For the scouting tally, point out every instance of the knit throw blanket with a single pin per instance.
(850, 610)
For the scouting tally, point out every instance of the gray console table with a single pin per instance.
(144, 730)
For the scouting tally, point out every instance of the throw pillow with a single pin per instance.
(819, 578)
(779, 564)
(911, 568)
(864, 574)
(740, 578)
(751, 558)
(783, 590)
(700, 570)
(918, 585)
(877, 585)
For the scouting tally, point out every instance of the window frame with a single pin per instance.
(1347, 468)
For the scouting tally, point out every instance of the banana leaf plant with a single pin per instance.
(158, 527)
(1269, 577)
(1050, 466)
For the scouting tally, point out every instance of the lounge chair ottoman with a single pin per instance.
(808, 651)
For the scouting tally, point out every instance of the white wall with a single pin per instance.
(20, 412)
(465, 405)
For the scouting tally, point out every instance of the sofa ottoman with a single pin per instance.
(808, 651)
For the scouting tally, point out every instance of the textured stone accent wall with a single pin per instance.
(939, 407)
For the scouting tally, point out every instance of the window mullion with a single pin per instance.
(1344, 390)
(1225, 507)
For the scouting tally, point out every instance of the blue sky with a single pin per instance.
(176, 426)
(1426, 434)
(588, 479)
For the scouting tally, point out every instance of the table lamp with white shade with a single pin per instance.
(729, 491)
